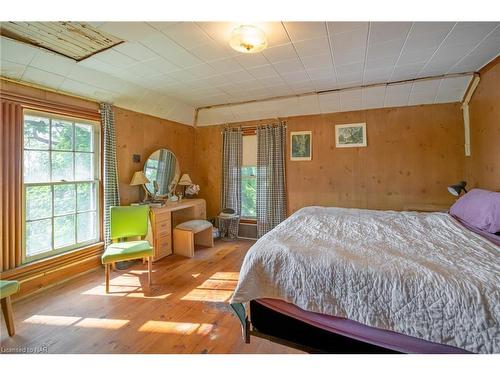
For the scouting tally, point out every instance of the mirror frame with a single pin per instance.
(175, 180)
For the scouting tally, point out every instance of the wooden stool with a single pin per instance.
(192, 232)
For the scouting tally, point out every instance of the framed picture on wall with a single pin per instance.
(301, 145)
(350, 135)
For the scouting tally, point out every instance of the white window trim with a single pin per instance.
(96, 126)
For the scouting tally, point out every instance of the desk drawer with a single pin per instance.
(163, 227)
(163, 247)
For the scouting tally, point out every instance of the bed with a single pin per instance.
(349, 280)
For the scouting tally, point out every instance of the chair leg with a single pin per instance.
(150, 267)
(7, 314)
(106, 267)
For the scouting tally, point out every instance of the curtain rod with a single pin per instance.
(232, 126)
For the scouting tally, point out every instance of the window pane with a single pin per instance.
(248, 171)
(38, 236)
(86, 226)
(38, 202)
(36, 166)
(62, 135)
(83, 166)
(62, 166)
(36, 132)
(86, 196)
(84, 137)
(64, 231)
(248, 192)
(64, 199)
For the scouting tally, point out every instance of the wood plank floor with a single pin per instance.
(185, 311)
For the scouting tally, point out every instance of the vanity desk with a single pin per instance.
(164, 219)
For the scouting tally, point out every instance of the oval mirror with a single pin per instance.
(162, 170)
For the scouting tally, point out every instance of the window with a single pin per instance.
(249, 192)
(249, 178)
(61, 176)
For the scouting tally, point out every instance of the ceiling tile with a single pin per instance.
(11, 70)
(210, 51)
(343, 57)
(135, 51)
(305, 30)
(321, 73)
(186, 34)
(42, 77)
(317, 61)
(16, 52)
(390, 49)
(51, 62)
(350, 100)
(115, 59)
(280, 53)
(381, 32)
(251, 60)
(424, 92)
(263, 71)
(342, 27)
(226, 65)
(287, 66)
(397, 95)
(128, 31)
(312, 47)
(470, 32)
(373, 97)
(453, 89)
(161, 65)
(329, 102)
(298, 76)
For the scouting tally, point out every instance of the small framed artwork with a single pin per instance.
(350, 135)
(301, 145)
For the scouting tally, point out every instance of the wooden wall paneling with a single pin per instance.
(483, 166)
(137, 133)
(413, 153)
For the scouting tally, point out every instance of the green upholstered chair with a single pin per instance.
(128, 222)
(8, 288)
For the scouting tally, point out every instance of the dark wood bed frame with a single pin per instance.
(285, 330)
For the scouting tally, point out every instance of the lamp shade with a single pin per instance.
(457, 188)
(139, 179)
(185, 180)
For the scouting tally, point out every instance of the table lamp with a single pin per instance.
(185, 181)
(140, 179)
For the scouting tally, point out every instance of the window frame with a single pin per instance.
(96, 181)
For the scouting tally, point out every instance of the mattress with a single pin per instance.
(346, 327)
(422, 275)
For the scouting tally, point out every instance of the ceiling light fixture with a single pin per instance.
(248, 39)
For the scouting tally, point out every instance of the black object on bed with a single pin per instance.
(285, 330)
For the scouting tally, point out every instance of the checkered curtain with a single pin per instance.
(111, 193)
(271, 188)
(232, 155)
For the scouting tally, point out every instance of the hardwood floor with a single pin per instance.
(185, 310)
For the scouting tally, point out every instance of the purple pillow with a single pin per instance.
(480, 209)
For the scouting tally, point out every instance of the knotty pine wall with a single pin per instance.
(413, 153)
(483, 166)
(137, 133)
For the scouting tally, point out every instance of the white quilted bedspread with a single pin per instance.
(420, 274)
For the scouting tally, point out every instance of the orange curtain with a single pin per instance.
(11, 149)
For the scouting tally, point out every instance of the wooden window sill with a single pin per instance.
(56, 261)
